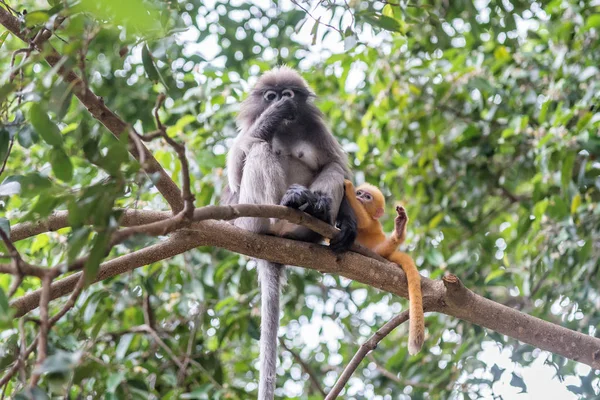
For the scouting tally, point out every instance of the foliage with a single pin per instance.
(480, 117)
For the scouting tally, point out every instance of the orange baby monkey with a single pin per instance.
(368, 204)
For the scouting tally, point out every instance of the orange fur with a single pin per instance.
(368, 204)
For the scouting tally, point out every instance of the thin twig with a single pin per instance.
(15, 367)
(71, 302)
(186, 195)
(22, 349)
(163, 345)
(390, 375)
(362, 352)
(17, 280)
(307, 368)
(42, 345)
(10, 146)
(190, 347)
(317, 21)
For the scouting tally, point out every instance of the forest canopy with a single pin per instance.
(480, 117)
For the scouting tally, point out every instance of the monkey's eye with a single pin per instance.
(288, 93)
(270, 95)
(368, 196)
(359, 192)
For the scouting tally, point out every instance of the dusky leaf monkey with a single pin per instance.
(285, 154)
(368, 204)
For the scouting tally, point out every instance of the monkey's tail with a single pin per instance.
(416, 330)
(270, 278)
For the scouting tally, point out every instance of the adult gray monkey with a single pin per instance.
(285, 154)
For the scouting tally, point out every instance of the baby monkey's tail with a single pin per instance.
(416, 330)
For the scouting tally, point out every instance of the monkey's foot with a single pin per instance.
(345, 237)
(321, 208)
(401, 220)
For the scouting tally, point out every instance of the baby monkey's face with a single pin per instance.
(364, 196)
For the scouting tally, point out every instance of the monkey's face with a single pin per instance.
(364, 197)
(372, 200)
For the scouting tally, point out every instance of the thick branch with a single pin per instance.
(452, 299)
(95, 105)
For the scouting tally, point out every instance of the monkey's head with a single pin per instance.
(372, 200)
(279, 84)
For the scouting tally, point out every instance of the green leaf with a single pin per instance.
(388, 11)
(5, 226)
(149, 64)
(201, 393)
(61, 164)
(436, 220)
(592, 22)
(4, 307)
(61, 361)
(314, 30)
(114, 380)
(36, 18)
(26, 136)
(567, 171)
(494, 274)
(44, 126)
(575, 203)
(5, 90)
(29, 393)
(6, 313)
(4, 143)
(60, 99)
(544, 111)
(123, 346)
(96, 256)
(3, 37)
(383, 21)
(76, 241)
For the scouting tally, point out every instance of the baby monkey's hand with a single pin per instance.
(348, 186)
(401, 220)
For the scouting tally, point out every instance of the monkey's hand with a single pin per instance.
(401, 220)
(285, 109)
(314, 203)
(348, 188)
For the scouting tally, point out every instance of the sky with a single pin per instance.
(539, 378)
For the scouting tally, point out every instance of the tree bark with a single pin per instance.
(447, 296)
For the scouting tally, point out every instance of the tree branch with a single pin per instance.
(449, 297)
(314, 382)
(362, 352)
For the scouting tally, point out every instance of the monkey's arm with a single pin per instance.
(266, 125)
(362, 217)
(387, 247)
(235, 167)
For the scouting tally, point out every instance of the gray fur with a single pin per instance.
(280, 144)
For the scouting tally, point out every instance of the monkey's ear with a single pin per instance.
(378, 212)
